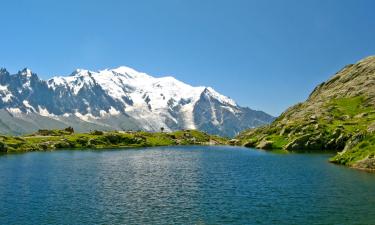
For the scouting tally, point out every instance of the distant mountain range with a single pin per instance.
(117, 99)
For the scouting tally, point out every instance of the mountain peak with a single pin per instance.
(3, 71)
(80, 72)
(129, 72)
(209, 91)
(124, 69)
(123, 98)
(26, 72)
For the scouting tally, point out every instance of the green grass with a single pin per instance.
(364, 149)
(278, 141)
(348, 106)
(339, 118)
(98, 140)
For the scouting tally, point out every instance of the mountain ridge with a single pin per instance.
(120, 98)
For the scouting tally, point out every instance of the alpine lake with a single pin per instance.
(182, 185)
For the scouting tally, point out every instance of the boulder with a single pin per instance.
(361, 115)
(250, 143)
(368, 163)
(298, 143)
(313, 118)
(265, 145)
(371, 128)
(234, 142)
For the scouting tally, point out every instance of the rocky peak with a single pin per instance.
(3, 71)
(80, 72)
(123, 98)
(26, 72)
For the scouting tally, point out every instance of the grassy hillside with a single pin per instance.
(62, 139)
(339, 116)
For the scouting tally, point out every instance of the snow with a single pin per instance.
(27, 104)
(87, 117)
(221, 98)
(113, 111)
(27, 72)
(44, 112)
(152, 97)
(3, 88)
(76, 81)
(5, 94)
(27, 84)
(14, 110)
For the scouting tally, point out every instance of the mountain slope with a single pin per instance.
(339, 115)
(117, 99)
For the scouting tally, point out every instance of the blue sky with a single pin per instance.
(265, 54)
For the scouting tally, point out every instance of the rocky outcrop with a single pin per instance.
(3, 147)
(265, 144)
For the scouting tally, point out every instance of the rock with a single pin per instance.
(265, 145)
(212, 142)
(250, 144)
(341, 142)
(3, 147)
(64, 144)
(361, 115)
(298, 143)
(344, 117)
(329, 119)
(367, 164)
(331, 144)
(337, 132)
(354, 140)
(371, 128)
(43, 146)
(234, 142)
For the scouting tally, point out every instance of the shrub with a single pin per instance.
(69, 130)
(97, 132)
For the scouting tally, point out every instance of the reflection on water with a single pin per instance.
(182, 185)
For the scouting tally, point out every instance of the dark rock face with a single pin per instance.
(3, 147)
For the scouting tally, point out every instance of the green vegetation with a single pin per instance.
(347, 126)
(361, 152)
(338, 116)
(66, 139)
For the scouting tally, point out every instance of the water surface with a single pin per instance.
(182, 185)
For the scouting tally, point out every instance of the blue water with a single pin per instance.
(182, 185)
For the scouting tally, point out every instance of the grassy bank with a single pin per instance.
(63, 139)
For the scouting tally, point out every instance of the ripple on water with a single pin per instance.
(182, 185)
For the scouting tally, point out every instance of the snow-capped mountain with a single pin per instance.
(117, 99)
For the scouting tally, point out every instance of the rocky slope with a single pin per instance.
(339, 115)
(117, 99)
